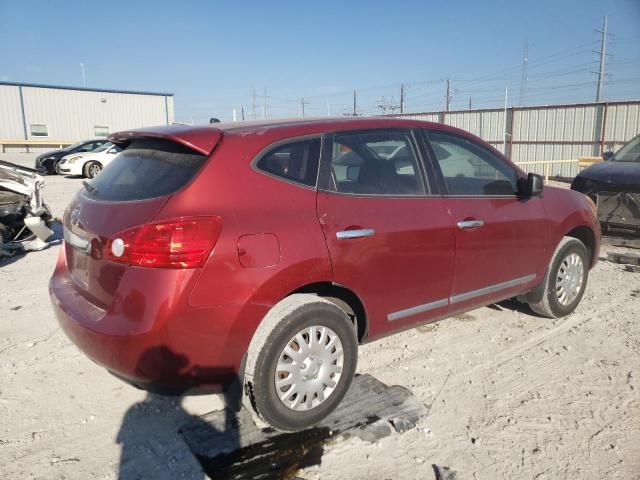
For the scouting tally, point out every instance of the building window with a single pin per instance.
(39, 130)
(99, 131)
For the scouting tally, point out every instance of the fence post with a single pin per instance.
(546, 171)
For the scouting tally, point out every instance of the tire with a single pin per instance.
(91, 169)
(289, 407)
(50, 167)
(571, 260)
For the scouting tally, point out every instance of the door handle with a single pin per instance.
(464, 224)
(365, 232)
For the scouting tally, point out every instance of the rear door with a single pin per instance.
(389, 235)
(500, 238)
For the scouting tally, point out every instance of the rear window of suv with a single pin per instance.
(147, 168)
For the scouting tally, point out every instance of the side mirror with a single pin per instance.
(532, 186)
(606, 156)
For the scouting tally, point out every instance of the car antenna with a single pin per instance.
(90, 188)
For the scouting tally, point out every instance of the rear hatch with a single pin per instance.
(128, 193)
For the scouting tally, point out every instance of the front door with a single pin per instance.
(389, 240)
(500, 238)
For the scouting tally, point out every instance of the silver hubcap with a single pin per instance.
(94, 170)
(309, 368)
(569, 279)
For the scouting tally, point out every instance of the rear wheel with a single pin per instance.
(300, 363)
(565, 281)
(91, 169)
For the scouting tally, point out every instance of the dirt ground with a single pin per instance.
(509, 394)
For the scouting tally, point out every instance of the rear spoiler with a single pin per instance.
(203, 139)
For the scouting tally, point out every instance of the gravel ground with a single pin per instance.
(509, 394)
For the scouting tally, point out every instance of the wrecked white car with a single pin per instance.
(25, 219)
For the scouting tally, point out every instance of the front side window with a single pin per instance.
(39, 130)
(469, 168)
(375, 163)
(296, 161)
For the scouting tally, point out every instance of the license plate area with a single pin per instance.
(80, 257)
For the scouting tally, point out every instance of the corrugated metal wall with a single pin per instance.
(10, 113)
(553, 132)
(72, 115)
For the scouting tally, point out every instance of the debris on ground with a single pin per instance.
(626, 258)
(25, 219)
(444, 473)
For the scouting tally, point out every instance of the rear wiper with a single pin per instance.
(90, 188)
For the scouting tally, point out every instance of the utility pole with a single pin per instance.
(264, 113)
(355, 111)
(504, 139)
(603, 55)
(448, 99)
(402, 98)
(303, 102)
(524, 76)
(469, 103)
(253, 104)
(84, 83)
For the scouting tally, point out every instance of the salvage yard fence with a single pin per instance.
(548, 139)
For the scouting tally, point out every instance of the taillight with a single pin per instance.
(179, 243)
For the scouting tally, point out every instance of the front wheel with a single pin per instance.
(565, 281)
(91, 169)
(301, 362)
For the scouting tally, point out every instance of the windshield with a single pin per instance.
(72, 147)
(104, 147)
(630, 152)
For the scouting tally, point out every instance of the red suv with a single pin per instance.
(266, 252)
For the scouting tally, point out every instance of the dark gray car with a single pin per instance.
(615, 186)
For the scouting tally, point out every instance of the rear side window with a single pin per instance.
(296, 161)
(146, 169)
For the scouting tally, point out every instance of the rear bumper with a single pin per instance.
(174, 349)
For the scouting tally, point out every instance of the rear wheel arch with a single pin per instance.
(344, 298)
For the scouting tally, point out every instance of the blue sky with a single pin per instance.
(212, 54)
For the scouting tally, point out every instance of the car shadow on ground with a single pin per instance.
(151, 444)
(515, 306)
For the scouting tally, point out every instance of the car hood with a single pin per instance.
(52, 153)
(15, 178)
(614, 173)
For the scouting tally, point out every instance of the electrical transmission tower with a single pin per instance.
(387, 105)
(303, 102)
(524, 76)
(603, 58)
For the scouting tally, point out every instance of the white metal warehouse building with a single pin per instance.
(46, 115)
